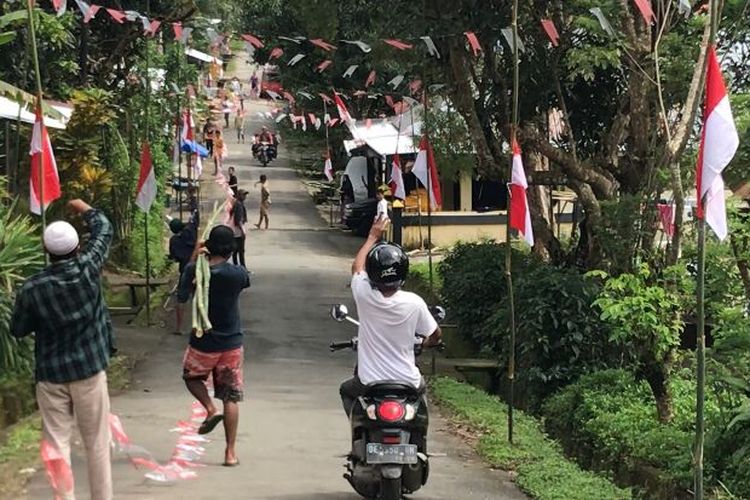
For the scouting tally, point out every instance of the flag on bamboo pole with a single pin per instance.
(397, 179)
(343, 112)
(520, 216)
(718, 146)
(146, 191)
(43, 168)
(425, 166)
(328, 168)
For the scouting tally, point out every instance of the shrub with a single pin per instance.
(607, 421)
(474, 287)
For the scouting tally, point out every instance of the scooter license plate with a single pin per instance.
(378, 453)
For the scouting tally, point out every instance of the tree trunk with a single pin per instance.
(657, 377)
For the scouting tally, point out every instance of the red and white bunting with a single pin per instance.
(117, 15)
(43, 176)
(520, 216)
(325, 98)
(276, 52)
(473, 42)
(397, 179)
(666, 215)
(253, 40)
(323, 66)
(646, 11)
(319, 42)
(425, 169)
(551, 30)
(370, 79)
(177, 29)
(153, 27)
(718, 146)
(398, 44)
(60, 6)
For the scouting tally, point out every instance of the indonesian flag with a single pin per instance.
(344, 114)
(397, 179)
(146, 191)
(718, 146)
(426, 171)
(187, 126)
(520, 217)
(328, 169)
(44, 177)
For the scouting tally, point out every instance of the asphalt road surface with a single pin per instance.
(293, 433)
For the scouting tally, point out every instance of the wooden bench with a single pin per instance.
(490, 367)
(133, 284)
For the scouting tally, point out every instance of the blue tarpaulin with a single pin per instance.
(194, 148)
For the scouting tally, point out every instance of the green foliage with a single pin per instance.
(474, 287)
(643, 311)
(543, 471)
(20, 256)
(607, 421)
(559, 335)
(450, 139)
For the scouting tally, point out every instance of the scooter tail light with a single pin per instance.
(371, 412)
(391, 411)
(410, 412)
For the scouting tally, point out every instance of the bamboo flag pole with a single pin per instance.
(39, 97)
(508, 254)
(146, 214)
(700, 292)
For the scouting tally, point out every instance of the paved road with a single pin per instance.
(292, 429)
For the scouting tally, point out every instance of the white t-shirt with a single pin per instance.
(387, 330)
(382, 209)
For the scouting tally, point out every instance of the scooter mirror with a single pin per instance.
(438, 312)
(339, 312)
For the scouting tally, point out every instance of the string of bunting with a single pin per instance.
(253, 42)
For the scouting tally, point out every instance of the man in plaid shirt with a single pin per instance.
(63, 306)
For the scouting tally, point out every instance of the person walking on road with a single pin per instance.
(208, 136)
(265, 201)
(219, 352)
(63, 305)
(181, 246)
(232, 182)
(226, 108)
(254, 86)
(239, 220)
(219, 150)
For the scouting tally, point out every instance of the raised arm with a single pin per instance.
(376, 234)
(101, 232)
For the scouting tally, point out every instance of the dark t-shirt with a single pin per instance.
(227, 281)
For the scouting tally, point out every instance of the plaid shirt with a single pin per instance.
(64, 306)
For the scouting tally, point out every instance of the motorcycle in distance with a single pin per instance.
(263, 151)
(389, 424)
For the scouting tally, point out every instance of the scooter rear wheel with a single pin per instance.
(390, 489)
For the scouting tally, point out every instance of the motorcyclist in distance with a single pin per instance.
(389, 318)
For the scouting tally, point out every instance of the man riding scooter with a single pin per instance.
(389, 318)
(265, 138)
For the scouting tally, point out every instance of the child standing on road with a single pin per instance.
(239, 124)
(265, 201)
(382, 211)
(219, 151)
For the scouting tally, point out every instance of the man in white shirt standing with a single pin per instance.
(390, 318)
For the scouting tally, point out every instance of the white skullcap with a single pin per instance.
(60, 238)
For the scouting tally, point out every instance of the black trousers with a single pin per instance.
(238, 257)
(353, 388)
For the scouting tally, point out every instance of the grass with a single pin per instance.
(542, 471)
(18, 453)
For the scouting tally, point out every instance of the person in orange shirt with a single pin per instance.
(220, 151)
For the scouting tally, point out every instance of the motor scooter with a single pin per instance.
(389, 423)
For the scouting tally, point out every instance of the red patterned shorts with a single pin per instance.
(225, 367)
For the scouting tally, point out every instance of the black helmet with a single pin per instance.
(387, 265)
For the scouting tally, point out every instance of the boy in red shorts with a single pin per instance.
(219, 351)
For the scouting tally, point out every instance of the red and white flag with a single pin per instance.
(146, 191)
(328, 169)
(718, 146)
(187, 126)
(425, 169)
(44, 177)
(344, 114)
(520, 217)
(397, 179)
(60, 6)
